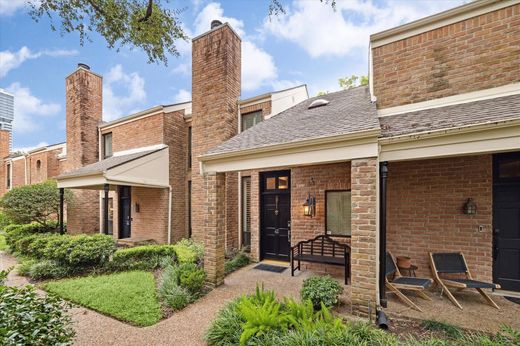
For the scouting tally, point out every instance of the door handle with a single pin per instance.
(276, 231)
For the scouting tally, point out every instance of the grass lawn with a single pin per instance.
(3, 245)
(128, 296)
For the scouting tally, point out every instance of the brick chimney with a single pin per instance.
(5, 140)
(216, 86)
(83, 115)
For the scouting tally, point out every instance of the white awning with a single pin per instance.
(149, 168)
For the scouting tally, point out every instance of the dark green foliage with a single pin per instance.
(446, 328)
(188, 251)
(27, 318)
(4, 220)
(321, 289)
(37, 203)
(147, 257)
(226, 328)
(3, 275)
(192, 278)
(237, 262)
(47, 269)
(148, 25)
(181, 284)
(15, 232)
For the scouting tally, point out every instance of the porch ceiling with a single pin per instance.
(148, 168)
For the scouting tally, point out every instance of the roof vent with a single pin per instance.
(85, 66)
(215, 23)
(318, 103)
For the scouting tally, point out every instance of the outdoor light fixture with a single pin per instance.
(309, 206)
(470, 208)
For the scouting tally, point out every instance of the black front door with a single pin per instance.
(275, 234)
(506, 221)
(125, 217)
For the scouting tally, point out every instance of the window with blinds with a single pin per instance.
(246, 211)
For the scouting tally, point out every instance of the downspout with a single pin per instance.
(169, 214)
(239, 186)
(383, 175)
(373, 97)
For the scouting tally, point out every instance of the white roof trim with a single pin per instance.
(480, 95)
(454, 15)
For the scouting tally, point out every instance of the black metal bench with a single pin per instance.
(322, 249)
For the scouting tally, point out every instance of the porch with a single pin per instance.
(131, 193)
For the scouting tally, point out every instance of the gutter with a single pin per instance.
(449, 130)
(365, 134)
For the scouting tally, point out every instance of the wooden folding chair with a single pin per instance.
(455, 263)
(400, 282)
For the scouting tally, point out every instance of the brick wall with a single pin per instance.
(83, 114)
(138, 133)
(425, 200)
(18, 172)
(215, 93)
(475, 54)
(4, 152)
(151, 222)
(364, 255)
(265, 107)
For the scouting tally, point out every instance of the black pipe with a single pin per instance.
(383, 175)
(105, 211)
(62, 194)
(381, 320)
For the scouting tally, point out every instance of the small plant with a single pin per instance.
(188, 251)
(3, 275)
(321, 289)
(238, 261)
(27, 318)
(446, 328)
(192, 278)
(171, 292)
(48, 269)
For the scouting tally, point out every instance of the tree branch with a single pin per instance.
(148, 12)
(96, 8)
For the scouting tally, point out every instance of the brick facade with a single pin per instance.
(83, 115)
(141, 132)
(474, 54)
(5, 137)
(18, 172)
(215, 94)
(265, 107)
(364, 253)
(425, 200)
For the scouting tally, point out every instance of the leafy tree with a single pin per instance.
(38, 203)
(145, 24)
(348, 82)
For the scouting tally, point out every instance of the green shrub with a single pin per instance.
(191, 278)
(3, 244)
(4, 220)
(25, 266)
(3, 275)
(237, 262)
(37, 203)
(15, 232)
(321, 289)
(188, 251)
(27, 318)
(48, 269)
(145, 257)
(226, 328)
(171, 292)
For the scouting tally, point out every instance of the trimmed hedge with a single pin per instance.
(15, 232)
(142, 257)
(188, 251)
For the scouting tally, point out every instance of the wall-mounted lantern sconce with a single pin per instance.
(470, 208)
(309, 207)
(137, 207)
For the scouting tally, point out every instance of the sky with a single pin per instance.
(311, 44)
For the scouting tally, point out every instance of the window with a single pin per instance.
(38, 165)
(338, 218)
(9, 176)
(107, 145)
(189, 147)
(246, 211)
(110, 214)
(251, 119)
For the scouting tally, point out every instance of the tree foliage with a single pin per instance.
(38, 203)
(348, 82)
(145, 24)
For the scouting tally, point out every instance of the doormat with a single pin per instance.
(513, 299)
(270, 268)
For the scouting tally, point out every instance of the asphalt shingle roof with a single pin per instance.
(471, 113)
(348, 111)
(108, 163)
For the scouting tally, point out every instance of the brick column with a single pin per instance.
(364, 256)
(214, 227)
(255, 216)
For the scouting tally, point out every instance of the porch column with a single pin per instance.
(364, 256)
(383, 174)
(106, 188)
(62, 194)
(214, 227)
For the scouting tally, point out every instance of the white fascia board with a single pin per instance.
(83, 182)
(138, 150)
(487, 140)
(480, 95)
(302, 156)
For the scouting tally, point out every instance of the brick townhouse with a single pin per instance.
(425, 158)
